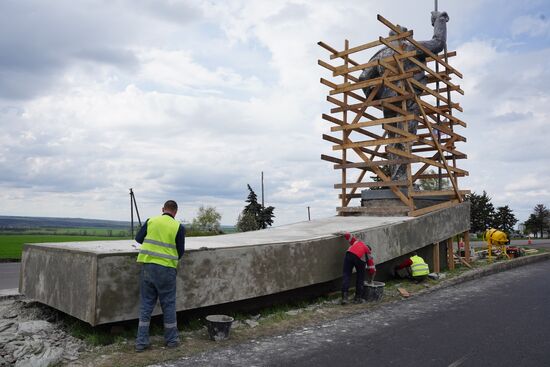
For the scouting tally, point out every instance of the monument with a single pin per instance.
(402, 128)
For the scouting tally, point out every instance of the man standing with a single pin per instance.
(163, 244)
(357, 256)
(415, 268)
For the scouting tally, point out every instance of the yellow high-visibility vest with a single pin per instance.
(419, 267)
(159, 245)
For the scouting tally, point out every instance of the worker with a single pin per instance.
(413, 268)
(163, 243)
(357, 256)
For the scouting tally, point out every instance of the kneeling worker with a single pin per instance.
(415, 268)
(357, 256)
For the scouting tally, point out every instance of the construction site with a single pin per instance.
(393, 124)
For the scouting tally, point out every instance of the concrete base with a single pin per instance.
(97, 282)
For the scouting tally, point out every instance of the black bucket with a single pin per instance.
(218, 326)
(374, 291)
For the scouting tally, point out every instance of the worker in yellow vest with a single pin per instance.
(163, 243)
(415, 268)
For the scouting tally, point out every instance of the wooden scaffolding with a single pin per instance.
(367, 139)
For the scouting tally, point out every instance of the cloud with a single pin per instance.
(531, 26)
(193, 100)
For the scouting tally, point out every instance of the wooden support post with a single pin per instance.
(467, 246)
(436, 265)
(450, 255)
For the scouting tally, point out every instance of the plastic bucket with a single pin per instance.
(374, 291)
(218, 326)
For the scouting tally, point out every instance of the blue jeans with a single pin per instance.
(157, 282)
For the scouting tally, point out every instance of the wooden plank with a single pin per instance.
(343, 88)
(326, 65)
(372, 184)
(437, 193)
(436, 267)
(429, 209)
(426, 89)
(429, 161)
(327, 47)
(341, 70)
(450, 255)
(369, 143)
(373, 163)
(328, 158)
(375, 122)
(435, 175)
(350, 196)
(328, 83)
(464, 262)
(403, 292)
(332, 139)
(366, 46)
(332, 119)
(449, 54)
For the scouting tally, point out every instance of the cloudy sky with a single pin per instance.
(192, 100)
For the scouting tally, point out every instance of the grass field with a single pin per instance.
(11, 245)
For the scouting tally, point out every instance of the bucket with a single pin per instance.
(374, 291)
(218, 326)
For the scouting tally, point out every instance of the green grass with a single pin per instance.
(12, 245)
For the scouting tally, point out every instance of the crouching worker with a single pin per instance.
(413, 268)
(358, 256)
(163, 239)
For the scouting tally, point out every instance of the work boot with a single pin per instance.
(358, 300)
(344, 298)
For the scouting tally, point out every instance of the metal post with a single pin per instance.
(131, 213)
(137, 211)
(308, 214)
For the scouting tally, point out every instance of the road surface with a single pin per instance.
(9, 275)
(499, 320)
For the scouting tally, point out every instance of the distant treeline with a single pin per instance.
(7, 222)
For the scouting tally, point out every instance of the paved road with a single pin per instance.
(9, 275)
(500, 320)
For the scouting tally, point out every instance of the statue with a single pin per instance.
(435, 45)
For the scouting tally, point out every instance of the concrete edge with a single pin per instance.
(491, 269)
(6, 294)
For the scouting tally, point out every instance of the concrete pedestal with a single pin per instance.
(97, 282)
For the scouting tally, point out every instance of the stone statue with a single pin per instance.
(435, 45)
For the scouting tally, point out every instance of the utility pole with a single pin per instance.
(308, 214)
(262, 189)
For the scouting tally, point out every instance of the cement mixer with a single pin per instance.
(497, 238)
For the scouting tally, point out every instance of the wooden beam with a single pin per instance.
(366, 46)
(375, 122)
(372, 184)
(425, 193)
(373, 163)
(341, 70)
(348, 87)
(429, 209)
(369, 143)
(467, 246)
(436, 267)
(450, 254)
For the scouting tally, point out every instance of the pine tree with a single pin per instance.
(253, 216)
(504, 219)
(482, 212)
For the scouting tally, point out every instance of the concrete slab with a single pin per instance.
(97, 282)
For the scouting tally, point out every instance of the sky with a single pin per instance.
(192, 100)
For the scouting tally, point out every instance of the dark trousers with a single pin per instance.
(157, 283)
(352, 261)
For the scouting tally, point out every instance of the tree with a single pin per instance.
(539, 220)
(431, 184)
(504, 219)
(254, 216)
(207, 220)
(482, 212)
